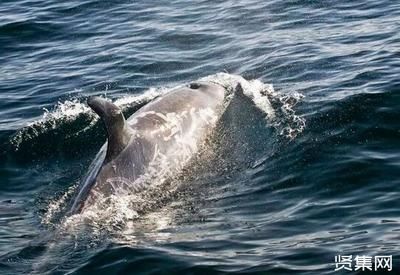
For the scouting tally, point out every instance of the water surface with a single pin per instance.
(278, 195)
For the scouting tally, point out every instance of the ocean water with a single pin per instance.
(302, 167)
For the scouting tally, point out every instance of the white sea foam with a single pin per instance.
(278, 107)
(254, 89)
(56, 205)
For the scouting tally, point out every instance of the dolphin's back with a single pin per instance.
(155, 142)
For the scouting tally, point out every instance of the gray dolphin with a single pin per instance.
(159, 139)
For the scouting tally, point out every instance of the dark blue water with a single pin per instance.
(281, 195)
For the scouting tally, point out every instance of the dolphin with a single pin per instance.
(156, 141)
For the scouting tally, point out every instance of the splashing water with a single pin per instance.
(56, 206)
(278, 107)
(69, 111)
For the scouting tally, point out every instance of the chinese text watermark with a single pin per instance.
(363, 263)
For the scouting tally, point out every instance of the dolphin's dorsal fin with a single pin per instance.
(115, 124)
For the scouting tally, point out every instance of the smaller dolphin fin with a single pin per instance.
(239, 89)
(115, 124)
